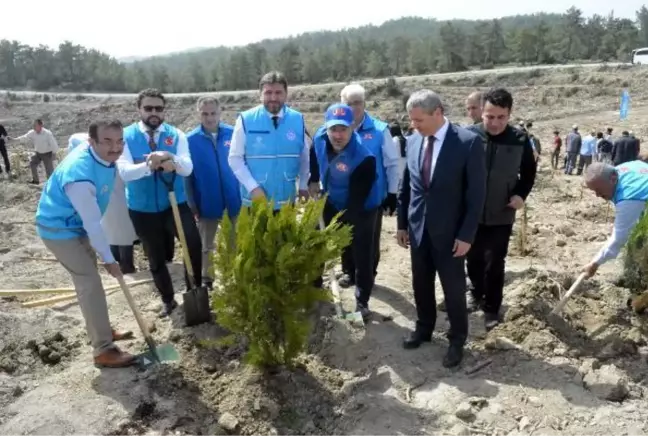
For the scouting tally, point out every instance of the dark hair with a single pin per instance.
(93, 130)
(38, 121)
(609, 129)
(529, 125)
(499, 97)
(556, 132)
(395, 129)
(599, 135)
(273, 77)
(151, 93)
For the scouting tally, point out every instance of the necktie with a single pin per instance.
(151, 141)
(427, 162)
(275, 121)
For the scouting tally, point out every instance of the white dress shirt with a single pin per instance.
(391, 159)
(83, 196)
(130, 171)
(44, 142)
(240, 169)
(76, 140)
(627, 213)
(439, 138)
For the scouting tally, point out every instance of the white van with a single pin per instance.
(640, 56)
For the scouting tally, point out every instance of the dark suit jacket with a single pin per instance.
(450, 208)
(625, 149)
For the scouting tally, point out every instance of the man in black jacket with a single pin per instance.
(511, 170)
(625, 149)
(3, 150)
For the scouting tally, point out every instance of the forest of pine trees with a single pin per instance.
(407, 46)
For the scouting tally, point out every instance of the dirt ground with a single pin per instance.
(583, 372)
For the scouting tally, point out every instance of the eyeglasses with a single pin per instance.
(154, 108)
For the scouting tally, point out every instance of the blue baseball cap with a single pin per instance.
(339, 115)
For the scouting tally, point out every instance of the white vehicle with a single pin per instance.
(640, 56)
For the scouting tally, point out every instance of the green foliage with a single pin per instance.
(406, 46)
(266, 272)
(635, 262)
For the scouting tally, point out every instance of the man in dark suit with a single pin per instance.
(625, 149)
(440, 200)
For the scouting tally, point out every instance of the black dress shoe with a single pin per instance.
(415, 339)
(453, 357)
(168, 308)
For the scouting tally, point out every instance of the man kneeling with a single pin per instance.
(68, 220)
(349, 176)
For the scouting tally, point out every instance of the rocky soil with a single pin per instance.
(581, 372)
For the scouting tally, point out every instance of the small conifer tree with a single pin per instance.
(635, 262)
(266, 274)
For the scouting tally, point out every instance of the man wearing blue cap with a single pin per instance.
(349, 176)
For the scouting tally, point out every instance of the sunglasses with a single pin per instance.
(154, 108)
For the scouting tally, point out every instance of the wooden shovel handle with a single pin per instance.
(569, 293)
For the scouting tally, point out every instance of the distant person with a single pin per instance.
(212, 188)
(604, 148)
(625, 149)
(573, 143)
(535, 142)
(68, 221)
(474, 105)
(3, 150)
(587, 151)
(375, 135)
(608, 133)
(45, 148)
(555, 153)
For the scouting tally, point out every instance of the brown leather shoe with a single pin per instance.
(121, 336)
(114, 358)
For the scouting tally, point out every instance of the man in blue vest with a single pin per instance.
(626, 185)
(349, 176)
(155, 159)
(270, 151)
(376, 136)
(68, 220)
(212, 189)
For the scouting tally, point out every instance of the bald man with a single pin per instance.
(626, 185)
(474, 104)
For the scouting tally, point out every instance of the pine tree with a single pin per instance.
(265, 289)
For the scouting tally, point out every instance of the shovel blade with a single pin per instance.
(164, 353)
(196, 306)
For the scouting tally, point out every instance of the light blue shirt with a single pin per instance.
(588, 146)
(627, 214)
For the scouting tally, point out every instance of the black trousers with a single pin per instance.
(123, 254)
(5, 157)
(428, 259)
(155, 230)
(348, 263)
(360, 251)
(486, 262)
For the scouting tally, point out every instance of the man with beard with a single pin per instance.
(68, 220)
(269, 153)
(156, 156)
(511, 171)
(375, 135)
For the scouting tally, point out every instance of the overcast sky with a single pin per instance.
(122, 27)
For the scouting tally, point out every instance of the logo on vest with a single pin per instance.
(104, 189)
(259, 139)
(228, 143)
(291, 135)
(168, 141)
(367, 136)
(341, 166)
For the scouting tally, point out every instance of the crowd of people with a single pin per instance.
(455, 190)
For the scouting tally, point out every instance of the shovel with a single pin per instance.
(195, 299)
(569, 293)
(156, 354)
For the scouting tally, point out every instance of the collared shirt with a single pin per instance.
(391, 159)
(44, 142)
(627, 213)
(439, 138)
(240, 169)
(83, 196)
(588, 146)
(129, 171)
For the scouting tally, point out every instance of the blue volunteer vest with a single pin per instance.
(216, 188)
(336, 174)
(632, 183)
(273, 155)
(372, 136)
(150, 194)
(56, 218)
